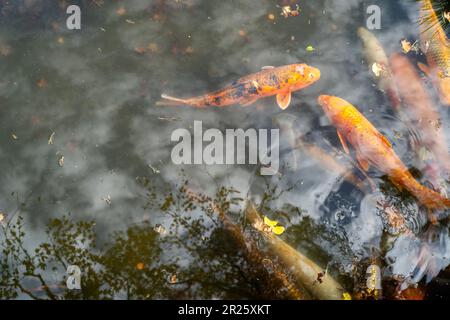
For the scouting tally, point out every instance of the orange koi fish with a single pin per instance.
(270, 81)
(421, 109)
(436, 46)
(372, 148)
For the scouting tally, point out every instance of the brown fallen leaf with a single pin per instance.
(121, 11)
(140, 50)
(189, 50)
(153, 47)
(5, 50)
(140, 265)
(42, 83)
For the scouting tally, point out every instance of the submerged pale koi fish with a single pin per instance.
(436, 46)
(303, 270)
(420, 108)
(270, 81)
(375, 54)
(372, 148)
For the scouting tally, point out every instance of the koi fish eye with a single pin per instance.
(311, 75)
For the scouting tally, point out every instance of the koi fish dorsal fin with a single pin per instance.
(385, 140)
(283, 100)
(343, 142)
(362, 162)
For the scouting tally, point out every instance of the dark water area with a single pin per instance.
(85, 153)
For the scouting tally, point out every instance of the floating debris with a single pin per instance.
(271, 16)
(2, 217)
(50, 139)
(107, 199)
(155, 170)
(159, 229)
(447, 16)
(169, 118)
(140, 266)
(173, 279)
(61, 160)
(130, 21)
(13, 135)
(377, 69)
(286, 11)
(407, 46)
(60, 40)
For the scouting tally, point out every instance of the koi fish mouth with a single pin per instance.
(324, 100)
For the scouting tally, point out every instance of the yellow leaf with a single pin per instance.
(278, 230)
(270, 223)
(310, 48)
(346, 296)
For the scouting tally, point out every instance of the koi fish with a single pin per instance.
(436, 46)
(270, 81)
(248, 246)
(303, 269)
(421, 108)
(372, 148)
(375, 54)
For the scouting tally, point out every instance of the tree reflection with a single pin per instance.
(202, 254)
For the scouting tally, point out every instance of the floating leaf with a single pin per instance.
(310, 48)
(346, 296)
(278, 230)
(270, 223)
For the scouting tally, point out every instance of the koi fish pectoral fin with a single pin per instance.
(424, 68)
(283, 100)
(170, 101)
(343, 142)
(365, 165)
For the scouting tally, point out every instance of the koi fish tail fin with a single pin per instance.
(431, 199)
(171, 101)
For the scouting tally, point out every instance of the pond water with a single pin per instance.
(82, 140)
